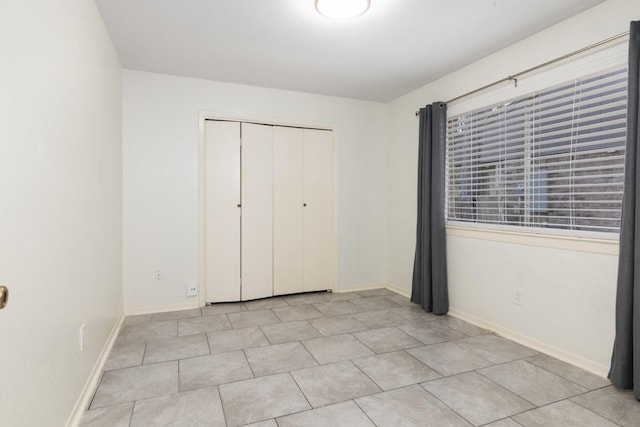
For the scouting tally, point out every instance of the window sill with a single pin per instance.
(606, 246)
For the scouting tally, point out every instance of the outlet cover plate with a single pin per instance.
(81, 333)
(192, 290)
(518, 296)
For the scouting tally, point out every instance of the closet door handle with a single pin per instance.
(304, 204)
(239, 205)
(4, 296)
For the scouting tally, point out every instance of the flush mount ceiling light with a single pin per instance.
(342, 9)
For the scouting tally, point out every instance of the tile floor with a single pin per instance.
(367, 358)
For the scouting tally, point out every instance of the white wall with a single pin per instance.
(569, 292)
(60, 203)
(160, 161)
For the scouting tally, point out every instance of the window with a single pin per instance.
(549, 159)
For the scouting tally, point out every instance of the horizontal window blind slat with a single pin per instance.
(590, 91)
(613, 135)
(575, 189)
(593, 152)
(579, 94)
(581, 120)
(578, 144)
(595, 221)
(613, 228)
(610, 212)
(610, 168)
(538, 188)
(485, 175)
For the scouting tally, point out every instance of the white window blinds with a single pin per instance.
(552, 158)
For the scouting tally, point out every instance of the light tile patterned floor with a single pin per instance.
(367, 358)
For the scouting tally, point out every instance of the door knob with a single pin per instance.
(304, 204)
(4, 296)
(239, 205)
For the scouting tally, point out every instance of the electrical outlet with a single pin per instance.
(158, 274)
(81, 337)
(192, 289)
(518, 296)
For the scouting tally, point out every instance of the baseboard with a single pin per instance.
(397, 290)
(565, 356)
(370, 286)
(133, 311)
(356, 288)
(92, 382)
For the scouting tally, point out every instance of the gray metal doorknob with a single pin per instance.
(4, 296)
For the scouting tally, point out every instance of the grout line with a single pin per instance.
(356, 338)
(445, 404)
(314, 328)
(562, 376)
(425, 364)
(382, 390)
(301, 391)
(178, 376)
(144, 354)
(362, 409)
(265, 335)
(224, 414)
(248, 364)
(309, 351)
(477, 371)
(206, 336)
(133, 407)
(508, 418)
(591, 410)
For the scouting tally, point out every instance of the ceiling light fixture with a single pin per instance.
(342, 9)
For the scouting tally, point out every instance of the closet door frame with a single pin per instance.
(208, 115)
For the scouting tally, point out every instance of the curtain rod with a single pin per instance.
(514, 77)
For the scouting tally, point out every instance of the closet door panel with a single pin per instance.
(222, 215)
(257, 211)
(288, 256)
(318, 210)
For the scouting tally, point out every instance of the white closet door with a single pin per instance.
(288, 256)
(257, 211)
(222, 220)
(317, 212)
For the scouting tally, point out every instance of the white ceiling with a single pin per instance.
(397, 46)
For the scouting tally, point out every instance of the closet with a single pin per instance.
(268, 210)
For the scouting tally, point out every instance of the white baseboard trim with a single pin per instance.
(397, 290)
(92, 382)
(565, 356)
(370, 286)
(362, 287)
(133, 311)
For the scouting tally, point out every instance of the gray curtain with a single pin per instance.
(625, 362)
(429, 288)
